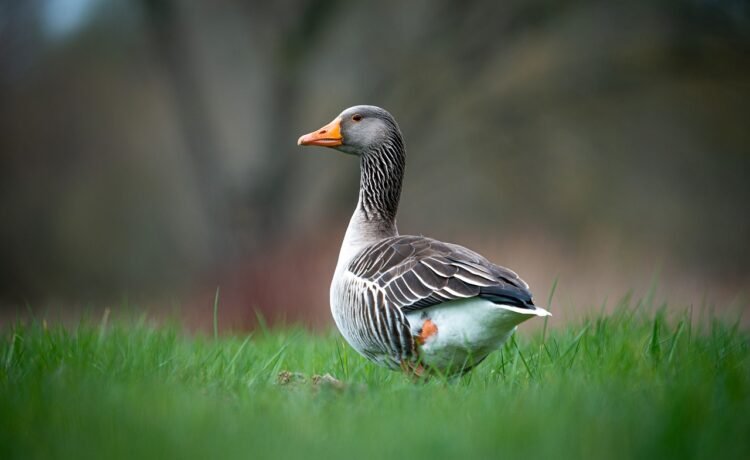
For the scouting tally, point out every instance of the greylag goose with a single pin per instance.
(411, 302)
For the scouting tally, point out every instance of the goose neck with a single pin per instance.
(381, 175)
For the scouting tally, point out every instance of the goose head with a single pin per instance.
(358, 130)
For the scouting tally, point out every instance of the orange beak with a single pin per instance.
(327, 136)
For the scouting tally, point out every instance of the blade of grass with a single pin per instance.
(270, 362)
(523, 360)
(549, 308)
(262, 324)
(11, 350)
(239, 350)
(654, 346)
(216, 314)
(675, 338)
(576, 340)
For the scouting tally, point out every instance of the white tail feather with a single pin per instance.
(538, 311)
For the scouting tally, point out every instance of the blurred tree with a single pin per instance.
(154, 141)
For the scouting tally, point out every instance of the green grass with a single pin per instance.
(634, 384)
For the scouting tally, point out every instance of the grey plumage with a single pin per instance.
(383, 279)
(411, 273)
(417, 272)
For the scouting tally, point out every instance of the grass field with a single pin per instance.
(637, 383)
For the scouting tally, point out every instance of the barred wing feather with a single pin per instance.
(417, 272)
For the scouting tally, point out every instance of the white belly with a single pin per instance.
(467, 331)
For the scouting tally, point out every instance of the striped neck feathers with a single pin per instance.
(381, 175)
(382, 171)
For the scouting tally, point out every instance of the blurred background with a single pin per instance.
(148, 148)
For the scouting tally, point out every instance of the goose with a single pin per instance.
(411, 303)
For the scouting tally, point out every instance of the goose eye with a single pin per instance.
(357, 117)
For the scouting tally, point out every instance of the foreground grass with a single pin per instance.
(635, 384)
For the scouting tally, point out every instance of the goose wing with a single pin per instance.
(415, 272)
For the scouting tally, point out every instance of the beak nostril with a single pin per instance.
(322, 131)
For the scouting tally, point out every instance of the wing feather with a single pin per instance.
(472, 278)
(441, 268)
(415, 272)
(428, 277)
